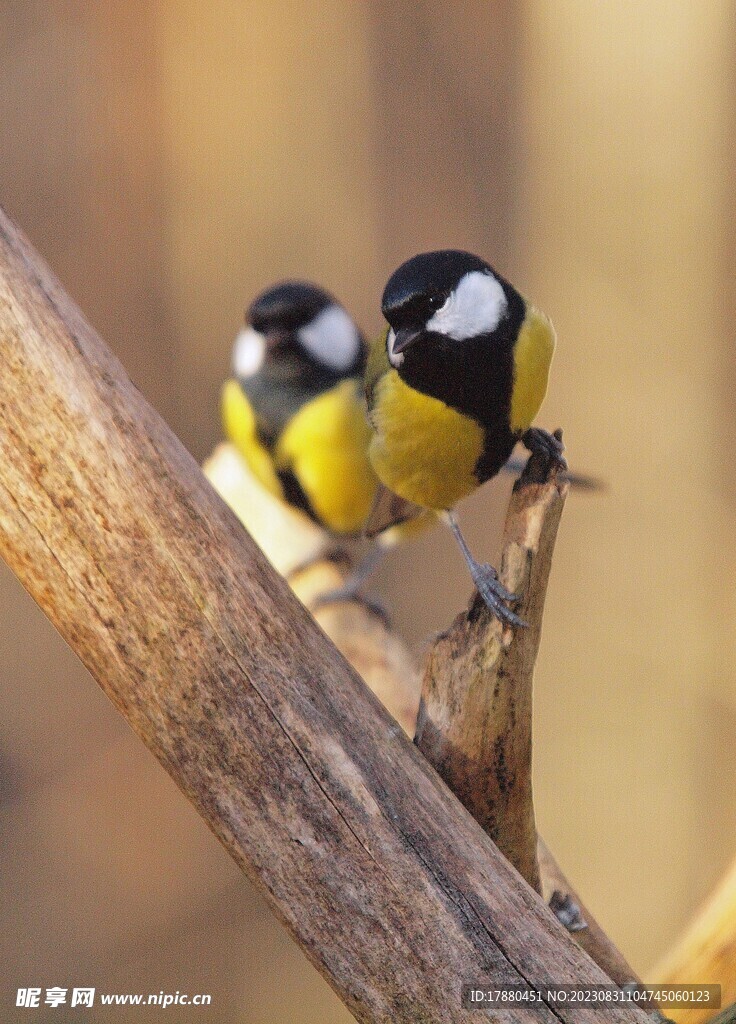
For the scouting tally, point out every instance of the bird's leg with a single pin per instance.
(349, 591)
(549, 446)
(486, 580)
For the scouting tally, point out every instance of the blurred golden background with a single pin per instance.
(169, 160)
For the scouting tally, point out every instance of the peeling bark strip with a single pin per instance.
(385, 881)
(475, 719)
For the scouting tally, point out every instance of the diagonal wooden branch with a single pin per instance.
(305, 554)
(383, 878)
(475, 716)
(727, 1016)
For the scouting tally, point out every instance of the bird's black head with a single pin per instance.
(287, 306)
(298, 330)
(422, 284)
(453, 325)
(439, 299)
(297, 343)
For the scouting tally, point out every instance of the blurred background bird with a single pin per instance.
(295, 409)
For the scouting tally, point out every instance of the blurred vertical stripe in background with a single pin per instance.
(171, 159)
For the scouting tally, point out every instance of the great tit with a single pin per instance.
(295, 408)
(452, 385)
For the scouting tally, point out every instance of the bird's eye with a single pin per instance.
(437, 301)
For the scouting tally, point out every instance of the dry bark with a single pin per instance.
(386, 882)
(292, 540)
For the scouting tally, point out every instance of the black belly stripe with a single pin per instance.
(497, 448)
(294, 494)
(476, 378)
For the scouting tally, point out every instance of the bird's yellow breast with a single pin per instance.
(325, 446)
(421, 449)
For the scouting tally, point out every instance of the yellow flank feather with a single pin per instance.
(325, 445)
(239, 424)
(532, 357)
(422, 450)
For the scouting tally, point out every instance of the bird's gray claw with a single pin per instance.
(494, 594)
(567, 911)
(488, 576)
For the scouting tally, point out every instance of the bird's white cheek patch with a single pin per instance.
(476, 306)
(395, 358)
(332, 339)
(249, 352)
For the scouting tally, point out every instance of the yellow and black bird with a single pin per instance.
(295, 407)
(452, 385)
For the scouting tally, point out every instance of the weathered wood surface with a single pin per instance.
(387, 883)
(305, 554)
(290, 539)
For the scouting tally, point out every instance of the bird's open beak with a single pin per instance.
(404, 338)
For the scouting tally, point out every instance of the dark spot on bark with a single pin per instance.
(504, 778)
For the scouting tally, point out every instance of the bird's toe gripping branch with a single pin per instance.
(567, 911)
(548, 446)
(494, 593)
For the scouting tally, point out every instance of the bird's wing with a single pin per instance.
(533, 351)
(389, 510)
